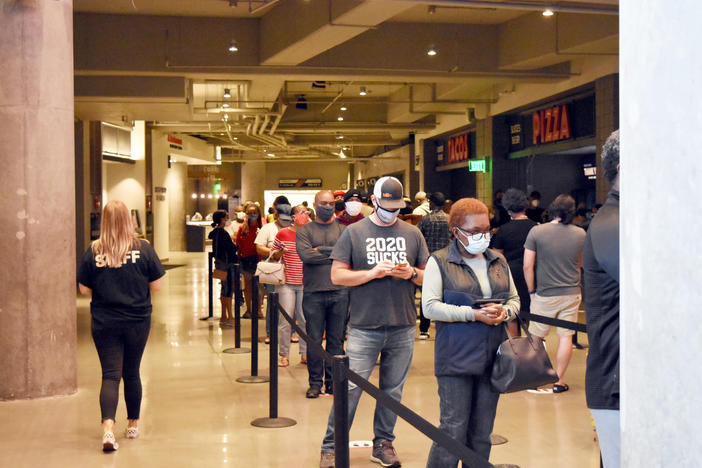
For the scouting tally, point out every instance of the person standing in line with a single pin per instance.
(423, 207)
(381, 260)
(352, 208)
(264, 241)
(119, 271)
(601, 270)
(224, 256)
(555, 249)
(534, 212)
(324, 303)
(239, 219)
(290, 293)
(435, 229)
(467, 336)
(509, 241)
(248, 257)
(366, 209)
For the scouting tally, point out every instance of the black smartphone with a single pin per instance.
(480, 303)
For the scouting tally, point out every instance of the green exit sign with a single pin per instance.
(477, 165)
(217, 188)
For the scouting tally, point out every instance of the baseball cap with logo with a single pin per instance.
(388, 193)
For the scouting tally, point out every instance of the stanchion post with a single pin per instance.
(340, 384)
(273, 355)
(254, 377)
(254, 325)
(273, 421)
(237, 306)
(210, 307)
(237, 349)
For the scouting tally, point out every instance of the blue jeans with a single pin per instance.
(468, 406)
(325, 311)
(290, 299)
(607, 425)
(395, 346)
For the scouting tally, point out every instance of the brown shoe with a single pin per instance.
(303, 359)
(384, 453)
(284, 362)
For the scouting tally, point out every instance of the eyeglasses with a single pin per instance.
(475, 236)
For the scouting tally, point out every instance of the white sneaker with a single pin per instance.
(108, 442)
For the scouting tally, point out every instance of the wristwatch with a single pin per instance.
(414, 274)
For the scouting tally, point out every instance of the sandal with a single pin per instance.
(131, 432)
(560, 388)
(284, 362)
(108, 442)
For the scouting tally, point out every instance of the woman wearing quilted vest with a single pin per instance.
(467, 335)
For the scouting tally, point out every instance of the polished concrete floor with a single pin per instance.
(195, 413)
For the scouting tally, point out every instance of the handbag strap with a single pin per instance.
(524, 327)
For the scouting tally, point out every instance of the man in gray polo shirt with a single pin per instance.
(556, 250)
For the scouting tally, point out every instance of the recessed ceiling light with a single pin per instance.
(209, 195)
(202, 195)
(363, 91)
(340, 137)
(547, 12)
(432, 51)
(234, 138)
(233, 46)
(194, 195)
(226, 104)
(272, 155)
(343, 108)
(342, 155)
(227, 94)
(340, 118)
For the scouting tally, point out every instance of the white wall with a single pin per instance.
(660, 258)
(126, 182)
(392, 162)
(195, 150)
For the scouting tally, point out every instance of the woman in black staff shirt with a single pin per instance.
(120, 271)
(225, 255)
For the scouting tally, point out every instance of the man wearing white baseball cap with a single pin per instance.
(381, 260)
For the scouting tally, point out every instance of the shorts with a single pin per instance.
(560, 307)
(248, 264)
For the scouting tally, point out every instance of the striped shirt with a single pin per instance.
(293, 265)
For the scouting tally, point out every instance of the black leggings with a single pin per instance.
(120, 350)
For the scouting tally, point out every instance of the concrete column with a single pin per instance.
(253, 181)
(660, 233)
(37, 278)
(483, 150)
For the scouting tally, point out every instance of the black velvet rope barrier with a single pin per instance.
(579, 327)
(468, 456)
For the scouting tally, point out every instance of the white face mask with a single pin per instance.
(240, 216)
(475, 246)
(353, 207)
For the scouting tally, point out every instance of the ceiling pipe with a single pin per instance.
(510, 5)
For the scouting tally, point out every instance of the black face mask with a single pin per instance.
(325, 212)
(339, 205)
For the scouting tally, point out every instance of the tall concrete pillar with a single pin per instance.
(660, 273)
(37, 276)
(253, 182)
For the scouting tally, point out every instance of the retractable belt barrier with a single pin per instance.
(468, 456)
(210, 259)
(579, 327)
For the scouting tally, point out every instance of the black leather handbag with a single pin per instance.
(521, 363)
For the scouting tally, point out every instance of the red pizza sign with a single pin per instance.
(551, 125)
(458, 148)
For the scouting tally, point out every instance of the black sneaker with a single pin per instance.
(313, 392)
(384, 453)
(327, 459)
(328, 389)
(424, 336)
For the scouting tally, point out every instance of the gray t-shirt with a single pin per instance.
(558, 250)
(385, 301)
(314, 243)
